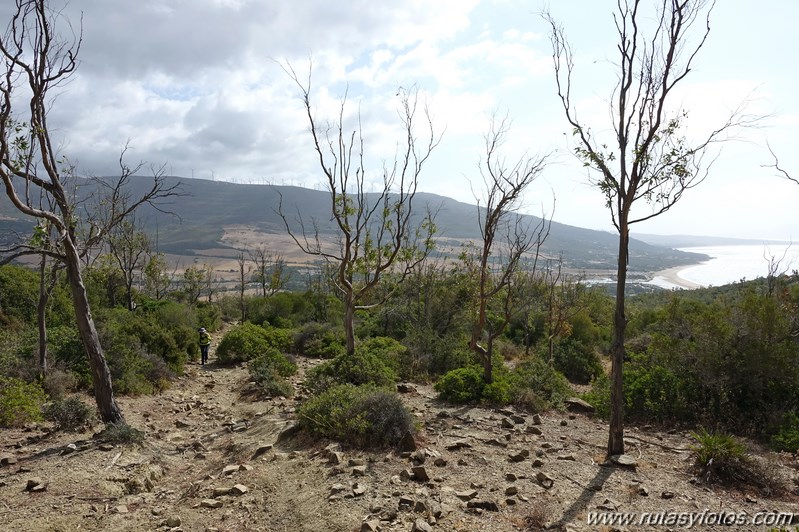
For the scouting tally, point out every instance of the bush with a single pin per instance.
(462, 385)
(120, 433)
(787, 436)
(387, 349)
(499, 392)
(58, 383)
(269, 370)
(69, 414)
(362, 416)
(578, 362)
(319, 340)
(247, 341)
(362, 367)
(720, 457)
(535, 383)
(20, 402)
(599, 396)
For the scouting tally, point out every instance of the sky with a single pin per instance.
(200, 87)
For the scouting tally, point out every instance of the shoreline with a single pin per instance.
(671, 276)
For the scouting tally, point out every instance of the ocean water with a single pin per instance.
(729, 264)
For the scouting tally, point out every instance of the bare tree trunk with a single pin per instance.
(349, 323)
(101, 375)
(616, 435)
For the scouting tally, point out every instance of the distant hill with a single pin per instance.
(209, 209)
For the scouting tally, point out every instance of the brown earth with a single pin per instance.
(211, 442)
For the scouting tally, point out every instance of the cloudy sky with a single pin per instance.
(198, 85)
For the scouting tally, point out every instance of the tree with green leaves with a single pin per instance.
(378, 239)
(38, 60)
(646, 161)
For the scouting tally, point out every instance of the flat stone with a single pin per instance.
(359, 471)
(230, 469)
(575, 404)
(624, 460)
(121, 509)
(261, 450)
(420, 525)
(466, 495)
(532, 429)
(7, 460)
(511, 490)
(220, 492)
(239, 489)
(491, 506)
(211, 503)
(567, 457)
(458, 444)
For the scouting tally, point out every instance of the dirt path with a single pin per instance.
(214, 460)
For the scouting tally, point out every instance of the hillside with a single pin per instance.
(212, 219)
(218, 458)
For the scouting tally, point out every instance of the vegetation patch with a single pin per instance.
(269, 371)
(20, 402)
(362, 416)
(69, 414)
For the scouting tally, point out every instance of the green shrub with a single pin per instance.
(69, 414)
(787, 435)
(362, 367)
(578, 362)
(599, 396)
(387, 349)
(534, 376)
(121, 433)
(269, 370)
(462, 385)
(319, 340)
(247, 341)
(720, 457)
(20, 402)
(362, 416)
(499, 392)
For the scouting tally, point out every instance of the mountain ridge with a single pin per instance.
(207, 209)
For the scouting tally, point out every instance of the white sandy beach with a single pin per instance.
(671, 277)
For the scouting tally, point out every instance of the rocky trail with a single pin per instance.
(217, 458)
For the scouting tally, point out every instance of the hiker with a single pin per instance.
(205, 343)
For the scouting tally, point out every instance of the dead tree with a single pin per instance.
(377, 236)
(494, 262)
(647, 160)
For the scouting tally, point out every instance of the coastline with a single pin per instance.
(671, 277)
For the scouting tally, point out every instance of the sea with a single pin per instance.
(729, 264)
